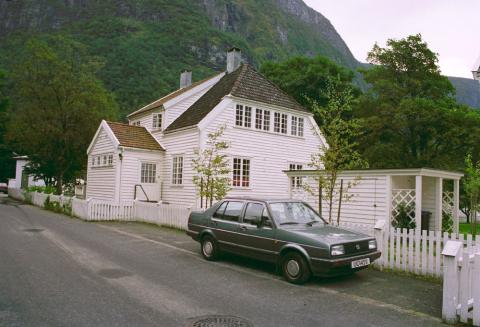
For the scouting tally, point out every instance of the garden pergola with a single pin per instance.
(378, 194)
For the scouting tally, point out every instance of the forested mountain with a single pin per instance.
(144, 44)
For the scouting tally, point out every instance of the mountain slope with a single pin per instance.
(146, 43)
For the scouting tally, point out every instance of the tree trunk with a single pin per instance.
(320, 191)
(201, 192)
(59, 185)
(340, 202)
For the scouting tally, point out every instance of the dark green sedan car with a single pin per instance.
(288, 233)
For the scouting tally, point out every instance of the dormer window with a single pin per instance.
(157, 120)
(136, 123)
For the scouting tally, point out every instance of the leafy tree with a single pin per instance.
(212, 167)
(471, 183)
(341, 151)
(302, 77)
(409, 117)
(7, 164)
(59, 103)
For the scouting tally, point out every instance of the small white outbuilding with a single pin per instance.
(371, 195)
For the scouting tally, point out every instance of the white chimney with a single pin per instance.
(185, 79)
(234, 59)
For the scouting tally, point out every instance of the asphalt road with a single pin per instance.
(60, 271)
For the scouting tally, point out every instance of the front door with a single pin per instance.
(257, 241)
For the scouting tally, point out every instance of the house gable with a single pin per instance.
(103, 132)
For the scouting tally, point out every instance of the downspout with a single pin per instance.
(120, 157)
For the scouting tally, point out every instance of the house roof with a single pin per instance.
(427, 172)
(134, 136)
(245, 82)
(159, 103)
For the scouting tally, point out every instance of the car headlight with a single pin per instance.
(372, 244)
(337, 250)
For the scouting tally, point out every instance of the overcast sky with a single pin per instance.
(450, 27)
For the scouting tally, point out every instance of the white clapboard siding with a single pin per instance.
(101, 182)
(270, 153)
(181, 143)
(416, 251)
(131, 171)
(363, 203)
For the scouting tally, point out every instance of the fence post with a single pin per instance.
(378, 231)
(89, 209)
(451, 254)
(476, 290)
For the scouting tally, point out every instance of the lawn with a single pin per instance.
(467, 228)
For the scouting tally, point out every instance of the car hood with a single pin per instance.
(329, 234)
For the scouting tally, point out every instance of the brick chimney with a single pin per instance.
(234, 59)
(185, 79)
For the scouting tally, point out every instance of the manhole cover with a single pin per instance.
(33, 230)
(219, 321)
(114, 273)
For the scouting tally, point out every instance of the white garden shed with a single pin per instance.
(371, 195)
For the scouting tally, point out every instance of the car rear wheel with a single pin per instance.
(209, 248)
(295, 268)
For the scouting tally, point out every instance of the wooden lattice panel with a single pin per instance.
(406, 198)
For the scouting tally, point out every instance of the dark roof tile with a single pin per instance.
(134, 136)
(246, 83)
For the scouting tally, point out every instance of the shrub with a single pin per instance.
(41, 189)
(401, 218)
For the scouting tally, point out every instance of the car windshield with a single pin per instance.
(293, 213)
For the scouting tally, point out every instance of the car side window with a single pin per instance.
(232, 211)
(253, 210)
(219, 213)
(266, 218)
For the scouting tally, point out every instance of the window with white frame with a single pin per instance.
(157, 120)
(101, 160)
(276, 122)
(148, 173)
(283, 125)
(259, 118)
(294, 125)
(266, 120)
(248, 117)
(239, 115)
(300, 126)
(296, 181)
(177, 170)
(241, 172)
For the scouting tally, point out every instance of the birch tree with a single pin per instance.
(212, 167)
(340, 152)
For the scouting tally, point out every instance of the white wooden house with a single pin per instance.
(151, 157)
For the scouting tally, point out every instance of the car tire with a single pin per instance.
(295, 268)
(209, 248)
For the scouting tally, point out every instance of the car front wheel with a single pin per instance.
(210, 249)
(295, 268)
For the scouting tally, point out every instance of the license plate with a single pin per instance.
(360, 263)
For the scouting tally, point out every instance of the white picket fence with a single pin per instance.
(169, 215)
(415, 251)
(461, 284)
